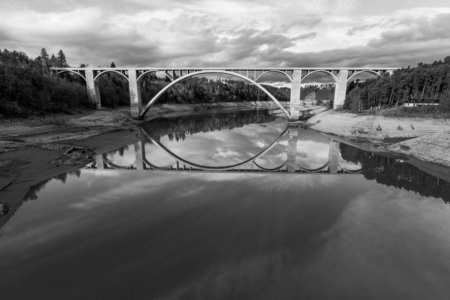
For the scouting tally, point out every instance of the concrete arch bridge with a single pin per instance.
(340, 76)
(331, 166)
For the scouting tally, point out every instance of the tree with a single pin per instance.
(113, 65)
(62, 59)
(45, 60)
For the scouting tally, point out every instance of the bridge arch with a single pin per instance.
(107, 71)
(274, 71)
(147, 107)
(336, 80)
(73, 72)
(155, 71)
(349, 79)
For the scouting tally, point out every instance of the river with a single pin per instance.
(231, 206)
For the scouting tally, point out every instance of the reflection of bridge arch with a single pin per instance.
(221, 168)
(157, 96)
(332, 166)
(274, 71)
(315, 170)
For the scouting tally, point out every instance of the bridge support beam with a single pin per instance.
(292, 149)
(135, 94)
(93, 91)
(341, 89)
(333, 157)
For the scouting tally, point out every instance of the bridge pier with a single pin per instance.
(340, 90)
(139, 152)
(135, 94)
(99, 162)
(295, 101)
(292, 149)
(93, 90)
(333, 157)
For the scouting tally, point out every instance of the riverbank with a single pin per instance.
(34, 150)
(420, 138)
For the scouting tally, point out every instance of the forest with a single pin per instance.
(426, 83)
(204, 90)
(26, 87)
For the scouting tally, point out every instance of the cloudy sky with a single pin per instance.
(230, 33)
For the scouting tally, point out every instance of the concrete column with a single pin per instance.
(333, 157)
(92, 92)
(98, 98)
(292, 149)
(139, 151)
(340, 89)
(295, 89)
(135, 94)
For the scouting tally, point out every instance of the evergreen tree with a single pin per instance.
(53, 61)
(45, 58)
(113, 65)
(62, 59)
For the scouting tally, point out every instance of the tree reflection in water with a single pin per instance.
(177, 128)
(396, 172)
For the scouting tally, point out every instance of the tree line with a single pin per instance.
(26, 87)
(206, 90)
(178, 128)
(426, 83)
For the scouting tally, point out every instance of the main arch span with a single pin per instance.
(341, 76)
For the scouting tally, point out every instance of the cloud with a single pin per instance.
(229, 33)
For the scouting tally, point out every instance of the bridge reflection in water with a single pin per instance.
(334, 165)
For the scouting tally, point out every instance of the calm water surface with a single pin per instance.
(231, 206)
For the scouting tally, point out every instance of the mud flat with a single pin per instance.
(423, 139)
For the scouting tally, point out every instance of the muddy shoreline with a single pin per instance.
(34, 150)
(423, 139)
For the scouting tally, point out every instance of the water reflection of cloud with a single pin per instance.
(119, 192)
(387, 237)
(312, 149)
(225, 153)
(221, 148)
(123, 157)
(386, 242)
